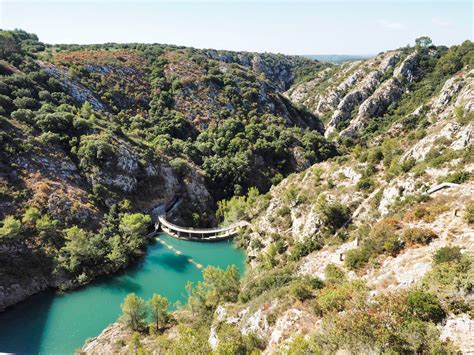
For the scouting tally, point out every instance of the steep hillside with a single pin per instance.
(217, 109)
(367, 252)
(358, 98)
(93, 138)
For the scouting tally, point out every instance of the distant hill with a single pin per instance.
(338, 58)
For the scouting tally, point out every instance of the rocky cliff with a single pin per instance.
(338, 252)
(92, 134)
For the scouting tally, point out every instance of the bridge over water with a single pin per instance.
(200, 234)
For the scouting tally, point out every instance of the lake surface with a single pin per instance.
(59, 323)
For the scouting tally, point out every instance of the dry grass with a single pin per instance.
(427, 211)
(99, 57)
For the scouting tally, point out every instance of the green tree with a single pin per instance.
(133, 228)
(117, 251)
(423, 42)
(11, 227)
(134, 311)
(8, 44)
(425, 306)
(81, 250)
(134, 224)
(135, 346)
(46, 225)
(217, 286)
(334, 214)
(30, 216)
(159, 310)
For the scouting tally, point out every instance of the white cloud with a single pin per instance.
(391, 25)
(440, 22)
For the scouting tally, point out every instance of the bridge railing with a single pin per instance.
(200, 231)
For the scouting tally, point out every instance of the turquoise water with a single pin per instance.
(55, 323)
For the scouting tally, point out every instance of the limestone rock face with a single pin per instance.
(79, 92)
(408, 70)
(352, 100)
(105, 342)
(459, 329)
(376, 105)
(389, 61)
(14, 293)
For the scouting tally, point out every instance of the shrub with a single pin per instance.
(365, 184)
(374, 156)
(303, 248)
(299, 345)
(334, 275)
(426, 212)
(408, 164)
(463, 116)
(180, 166)
(11, 227)
(451, 279)
(339, 297)
(30, 216)
(334, 214)
(301, 290)
(469, 215)
(269, 280)
(284, 211)
(379, 327)
(425, 306)
(418, 236)
(256, 244)
(334, 298)
(457, 177)
(447, 254)
(355, 259)
(392, 245)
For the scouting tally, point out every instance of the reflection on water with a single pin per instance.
(55, 323)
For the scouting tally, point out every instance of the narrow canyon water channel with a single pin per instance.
(59, 323)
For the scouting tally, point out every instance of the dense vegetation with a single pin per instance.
(403, 321)
(87, 134)
(86, 130)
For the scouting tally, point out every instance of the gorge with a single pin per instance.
(349, 244)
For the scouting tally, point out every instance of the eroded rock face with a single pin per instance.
(362, 91)
(386, 94)
(79, 92)
(14, 293)
(408, 70)
(459, 329)
(105, 343)
(376, 105)
(353, 99)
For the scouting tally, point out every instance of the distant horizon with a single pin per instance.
(362, 55)
(293, 28)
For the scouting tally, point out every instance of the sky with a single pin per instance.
(289, 27)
